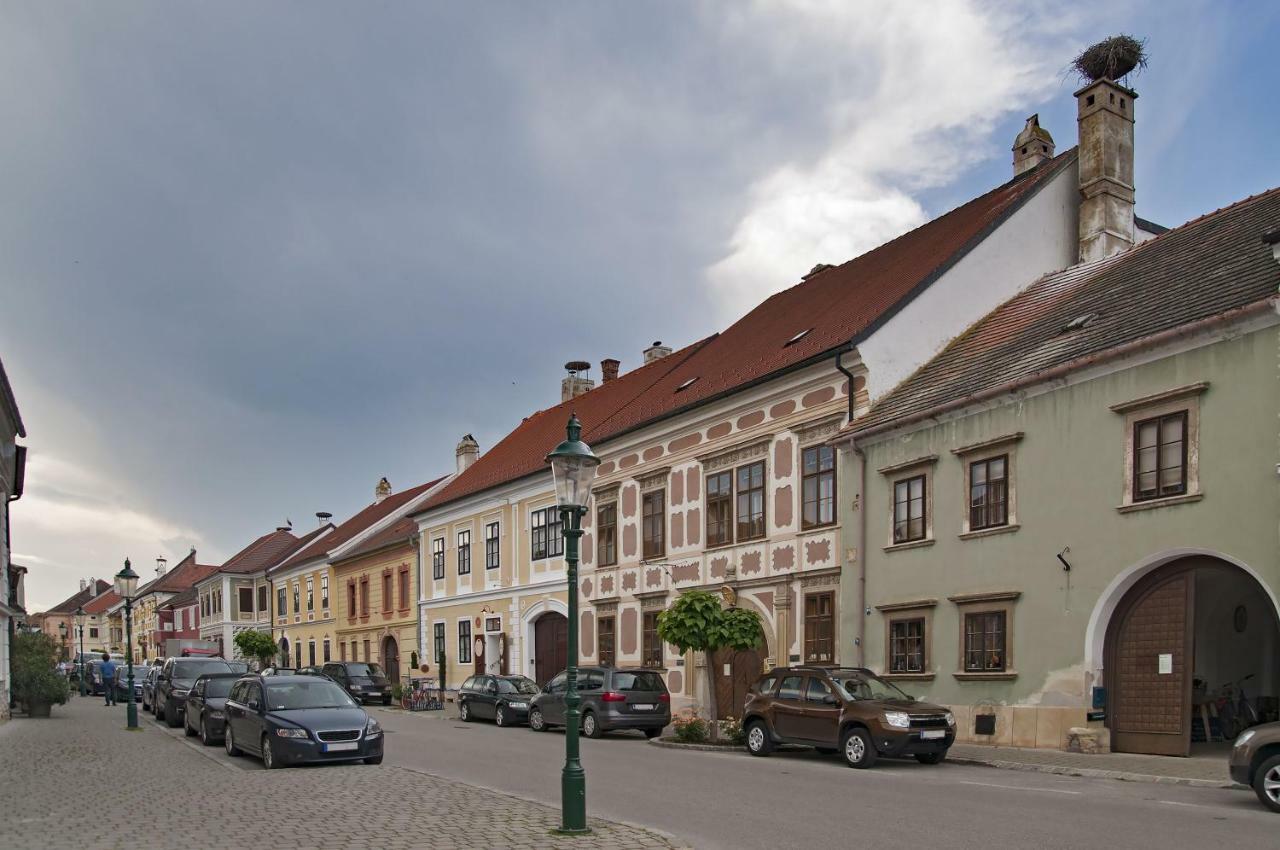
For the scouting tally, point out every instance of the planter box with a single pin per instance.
(39, 709)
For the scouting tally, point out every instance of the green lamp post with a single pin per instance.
(80, 617)
(573, 468)
(126, 586)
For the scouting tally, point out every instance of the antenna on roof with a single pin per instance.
(323, 517)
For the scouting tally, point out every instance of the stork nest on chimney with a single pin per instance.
(1111, 58)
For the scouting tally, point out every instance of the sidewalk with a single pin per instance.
(82, 780)
(1206, 770)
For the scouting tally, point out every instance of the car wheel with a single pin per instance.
(590, 727)
(858, 749)
(204, 734)
(268, 758)
(170, 715)
(500, 716)
(228, 742)
(373, 760)
(536, 722)
(464, 712)
(930, 758)
(758, 741)
(186, 726)
(1266, 783)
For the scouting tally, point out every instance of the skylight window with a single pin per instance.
(1080, 322)
(797, 337)
(686, 384)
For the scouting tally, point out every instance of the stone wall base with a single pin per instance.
(1042, 727)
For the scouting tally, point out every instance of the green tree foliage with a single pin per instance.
(696, 621)
(255, 644)
(35, 681)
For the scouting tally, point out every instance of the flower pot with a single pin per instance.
(39, 709)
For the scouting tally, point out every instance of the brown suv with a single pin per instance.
(847, 710)
(1255, 761)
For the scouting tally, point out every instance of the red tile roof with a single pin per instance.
(183, 575)
(1201, 270)
(357, 524)
(82, 597)
(397, 532)
(101, 603)
(838, 307)
(267, 551)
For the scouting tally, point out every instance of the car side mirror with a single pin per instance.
(830, 699)
(254, 705)
(493, 689)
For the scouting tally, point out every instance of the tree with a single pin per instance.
(35, 680)
(696, 621)
(258, 645)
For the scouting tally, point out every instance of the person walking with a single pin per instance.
(107, 670)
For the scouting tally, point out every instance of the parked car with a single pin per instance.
(629, 698)
(277, 671)
(204, 713)
(1255, 761)
(847, 710)
(363, 680)
(240, 667)
(174, 682)
(313, 670)
(289, 720)
(121, 683)
(149, 688)
(502, 699)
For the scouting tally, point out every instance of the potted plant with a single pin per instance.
(36, 682)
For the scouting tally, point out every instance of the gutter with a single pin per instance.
(1063, 369)
(422, 635)
(861, 637)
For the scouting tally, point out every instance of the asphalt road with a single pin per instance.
(804, 800)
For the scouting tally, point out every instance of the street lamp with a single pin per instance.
(573, 467)
(126, 586)
(80, 618)
(62, 635)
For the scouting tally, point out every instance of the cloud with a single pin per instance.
(917, 89)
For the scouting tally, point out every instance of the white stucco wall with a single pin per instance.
(1039, 238)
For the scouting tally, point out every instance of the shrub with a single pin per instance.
(35, 679)
(731, 730)
(690, 728)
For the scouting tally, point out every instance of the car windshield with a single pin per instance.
(637, 682)
(362, 669)
(238, 666)
(296, 693)
(190, 668)
(517, 686)
(866, 686)
(218, 687)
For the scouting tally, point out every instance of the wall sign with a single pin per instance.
(1165, 663)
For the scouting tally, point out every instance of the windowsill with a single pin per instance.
(909, 677)
(913, 544)
(817, 529)
(1006, 676)
(988, 532)
(1167, 501)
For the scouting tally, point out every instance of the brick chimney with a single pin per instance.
(609, 370)
(1033, 146)
(576, 382)
(1105, 118)
(657, 351)
(381, 490)
(467, 452)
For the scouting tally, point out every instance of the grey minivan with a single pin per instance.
(630, 698)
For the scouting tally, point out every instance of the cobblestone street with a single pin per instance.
(82, 780)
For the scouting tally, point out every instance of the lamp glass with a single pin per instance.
(81, 617)
(126, 581)
(573, 475)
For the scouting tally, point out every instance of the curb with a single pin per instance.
(706, 748)
(1096, 773)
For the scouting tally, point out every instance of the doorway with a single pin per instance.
(1186, 638)
(736, 671)
(284, 652)
(391, 659)
(550, 646)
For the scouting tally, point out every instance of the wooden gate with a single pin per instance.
(550, 646)
(745, 667)
(391, 659)
(1149, 662)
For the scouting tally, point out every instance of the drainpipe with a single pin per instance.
(416, 538)
(860, 553)
(840, 366)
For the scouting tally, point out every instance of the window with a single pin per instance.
(790, 687)
(817, 690)
(650, 643)
(607, 636)
(352, 605)
(246, 600)
(464, 553)
(311, 594)
(653, 519)
(281, 602)
(607, 535)
(719, 508)
(93, 631)
(386, 592)
(491, 546)
(546, 539)
(364, 596)
(366, 650)
(404, 590)
(906, 646)
(819, 627)
(984, 639)
(437, 559)
(439, 642)
(818, 486)
(311, 652)
(1160, 457)
(297, 655)
(262, 599)
(325, 650)
(355, 651)
(908, 510)
(750, 501)
(324, 592)
(297, 598)
(988, 493)
(464, 641)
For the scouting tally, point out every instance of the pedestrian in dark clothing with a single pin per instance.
(107, 670)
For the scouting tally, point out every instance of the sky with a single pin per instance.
(255, 256)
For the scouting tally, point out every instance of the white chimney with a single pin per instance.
(382, 490)
(657, 351)
(467, 452)
(1105, 118)
(83, 584)
(576, 382)
(1033, 146)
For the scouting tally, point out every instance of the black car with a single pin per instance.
(611, 699)
(204, 714)
(289, 720)
(362, 679)
(313, 670)
(121, 683)
(502, 699)
(174, 682)
(277, 671)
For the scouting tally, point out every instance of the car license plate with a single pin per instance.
(334, 748)
(932, 733)
(643, 706)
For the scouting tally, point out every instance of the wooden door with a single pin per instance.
(477, 653)
(550, 646)
(391, 660)
(744, 668)
(1148, 666)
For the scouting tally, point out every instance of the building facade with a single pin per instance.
(12, 473)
